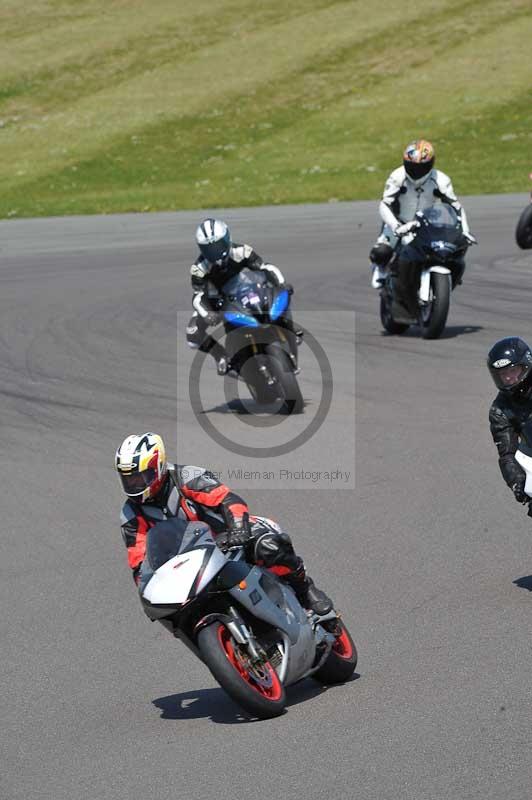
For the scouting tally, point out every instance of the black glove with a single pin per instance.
(518, 489)
(238, 534)
(289, 288)
(212, 318)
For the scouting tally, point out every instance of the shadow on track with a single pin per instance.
(450, 332)
(524, 583)
(459, 330)
(250, 407)
(215, 705)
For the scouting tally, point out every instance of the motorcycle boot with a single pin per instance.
(378, 276)
(380, 256)
(218, 352)
(223, 365)
(307, 592)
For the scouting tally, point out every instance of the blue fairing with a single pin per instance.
(236, 318)
(279, 305)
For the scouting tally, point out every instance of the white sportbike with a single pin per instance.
(244, 623)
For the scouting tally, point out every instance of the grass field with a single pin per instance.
(131, 105)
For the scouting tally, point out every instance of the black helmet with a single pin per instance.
(214, 241)
(510, 366)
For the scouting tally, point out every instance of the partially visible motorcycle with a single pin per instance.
(523, 456)
(242, 621)
(262, 350)
(432, 257)
(523, 232)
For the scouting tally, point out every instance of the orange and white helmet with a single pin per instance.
(418, 159)
(141, 464)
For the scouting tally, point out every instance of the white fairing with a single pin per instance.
(424, 284)
(173, 581)
(216, 562)
(525, 462)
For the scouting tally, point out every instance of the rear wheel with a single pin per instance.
(342, 659)
(255, 687)
(433, 316)
(523, 232)
(388, 322)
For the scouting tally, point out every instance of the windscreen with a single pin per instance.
(164, 541)
(441, 215)
(245, 283)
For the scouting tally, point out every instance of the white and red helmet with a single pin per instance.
(141, 464)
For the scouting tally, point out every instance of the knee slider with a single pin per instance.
(381, 253)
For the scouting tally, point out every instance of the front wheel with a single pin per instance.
(341, 661)
(433, 316)
(255, 687)
(287, 386)
(523, 232)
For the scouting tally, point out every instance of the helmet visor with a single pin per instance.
(510, 377)
(215, 251)
(136, 483)
(418, 170)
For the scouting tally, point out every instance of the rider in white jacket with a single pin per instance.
(413, 187)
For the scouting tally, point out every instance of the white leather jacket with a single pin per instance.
(403, 196)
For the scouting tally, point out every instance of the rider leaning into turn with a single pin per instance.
(413, 187)
(510, 366)
(220, 259)
(157, 490)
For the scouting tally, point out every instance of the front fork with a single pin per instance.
(238, 629)
(424, 282)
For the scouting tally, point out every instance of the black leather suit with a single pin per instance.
(507, 417)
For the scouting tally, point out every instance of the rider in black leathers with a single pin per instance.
(219, 260)
(510, 366)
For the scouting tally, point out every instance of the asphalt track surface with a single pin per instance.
(427, 554)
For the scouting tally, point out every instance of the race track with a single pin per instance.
(424, 549)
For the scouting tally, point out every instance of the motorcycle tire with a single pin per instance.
(388, 322)
(256, 689)
(341, 661)
(523, 232)
(288, 389)
(432, 328)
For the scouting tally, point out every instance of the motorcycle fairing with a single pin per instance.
(525, 461)
(289, 618)
(172, 582)
(181, 560)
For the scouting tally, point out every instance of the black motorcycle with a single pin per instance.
(431, 261)
(260, 340)
(523, 232)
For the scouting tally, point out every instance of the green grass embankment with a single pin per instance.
(130, 106)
